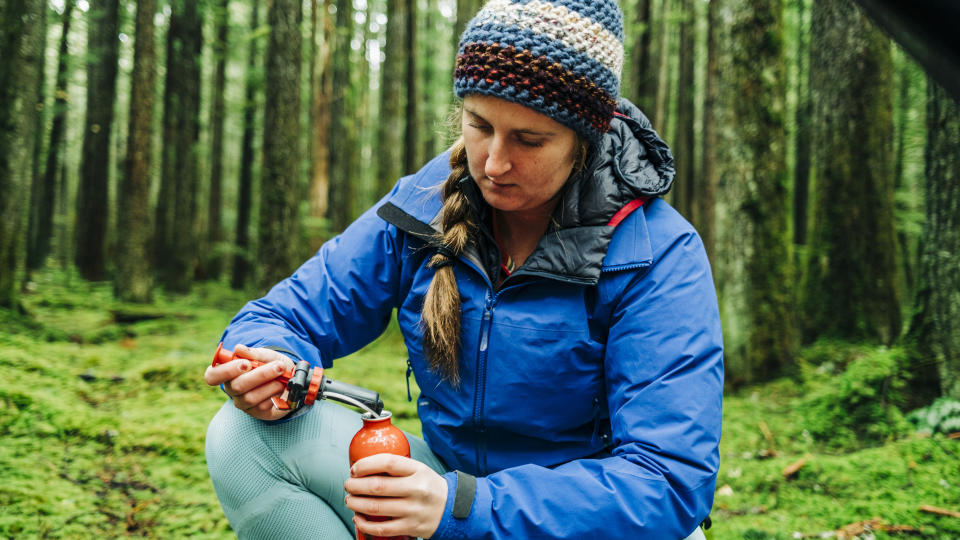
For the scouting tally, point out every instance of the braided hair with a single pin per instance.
(441, 305)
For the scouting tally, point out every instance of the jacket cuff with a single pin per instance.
(454, 528)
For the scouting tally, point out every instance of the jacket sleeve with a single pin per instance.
(334, 304)
(664, 379)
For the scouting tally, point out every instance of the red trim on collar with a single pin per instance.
(626, 211)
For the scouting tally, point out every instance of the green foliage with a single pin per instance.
(942, 416)
(858, 406)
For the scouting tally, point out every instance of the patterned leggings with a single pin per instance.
(285, 479)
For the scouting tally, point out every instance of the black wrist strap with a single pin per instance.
(463, 499)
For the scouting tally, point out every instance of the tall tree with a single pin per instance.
(242, 260)
(280, 188)
(36, 174)
(641, 84)
(683, 147)
(22, 43)
(42, 231)
(390, 131)
(752, 239)
(466, 9)
(212, 262)
(801, 170)
(342, 131)
(850, 285)
(321, 34)
(175, 231)
(935, 328)
(706, 199)
(133, 281)
(411, 158)
(92, 193)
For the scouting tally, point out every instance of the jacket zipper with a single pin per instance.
(481, 385)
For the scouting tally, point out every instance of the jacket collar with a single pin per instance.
(630, 162)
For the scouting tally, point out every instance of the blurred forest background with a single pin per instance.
(156, 154)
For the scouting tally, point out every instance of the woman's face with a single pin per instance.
(519, 157)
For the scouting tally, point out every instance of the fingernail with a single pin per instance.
(278, 367)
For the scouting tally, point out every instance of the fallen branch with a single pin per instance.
(939, 511)
(792, 469)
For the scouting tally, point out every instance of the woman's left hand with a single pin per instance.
(411, 494)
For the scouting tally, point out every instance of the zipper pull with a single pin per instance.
(409, 371)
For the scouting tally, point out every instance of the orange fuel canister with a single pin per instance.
(378, 436)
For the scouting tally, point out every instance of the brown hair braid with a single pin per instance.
(441, 306)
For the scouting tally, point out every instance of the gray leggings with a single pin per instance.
(285, 479)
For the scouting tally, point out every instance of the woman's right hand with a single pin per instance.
(251, 389)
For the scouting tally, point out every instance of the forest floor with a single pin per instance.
(102, 425)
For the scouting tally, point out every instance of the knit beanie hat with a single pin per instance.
(561, 58)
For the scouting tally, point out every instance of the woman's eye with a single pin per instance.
(481, 127)
(531, 144)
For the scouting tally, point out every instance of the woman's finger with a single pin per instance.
(388, 464)
(258, 395)
(222, 373)
(260, 354)
(259, 376)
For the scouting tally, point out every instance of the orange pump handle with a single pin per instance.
(222, 356)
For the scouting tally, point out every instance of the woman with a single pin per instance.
(560, 320)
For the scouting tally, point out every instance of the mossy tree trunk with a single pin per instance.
(641, 83)
(683, 184)
(753, 271)
(37, 204)
(281, 188)
(801, 170)
(22, 44)
(342, 133)
(242, 260)
(40, 237)
(850, 288)
(935, 328)
(92, 193)
(321, 32)
(133, 280)
(390, 132)
(176, 249)
(411, 159)
(212, 261)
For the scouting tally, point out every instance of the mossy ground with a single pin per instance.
(102, 427)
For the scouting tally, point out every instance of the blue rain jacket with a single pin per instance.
(590, 397)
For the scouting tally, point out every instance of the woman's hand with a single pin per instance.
(411, 494)
(251, 390)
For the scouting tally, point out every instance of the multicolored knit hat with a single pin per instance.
(562, 58)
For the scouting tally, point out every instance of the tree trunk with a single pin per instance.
(935, 328)
(177, 204)
(92, 193)
(242, 260)
(37, 204)
(752, 232)
(706, 199)
(320, 84)
(851, 287)
(683, 146)
(411, 159)
(342, 133)
(390, 125)
(280, 188)
(133, 281)
(22, 43)
(641, 87)
(39, 247)
(801, 171)
(212, 257)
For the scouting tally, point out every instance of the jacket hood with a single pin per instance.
(630, 162)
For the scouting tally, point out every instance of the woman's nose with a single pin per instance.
(498, 161)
